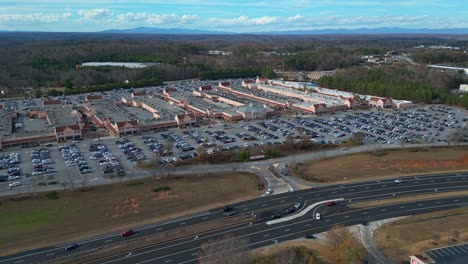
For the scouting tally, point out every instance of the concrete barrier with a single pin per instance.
(301, 213)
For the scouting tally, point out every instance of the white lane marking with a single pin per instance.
(420, 204)
(346, 216)
(307, 225)
(385, 185)
(183, 223)
(455, 249)
(245, 209)
(456, 200)
(334, 192)
(435, 252)
(383, 210)
(167, 261)
(437, 202)
(327, 220)
(449, 249)
(194, 254)
(265, 235)
(365, 212)
(109, 240)
(317, 194)
(367, 187)
(50, 254)
(351, 190)
(282, 201)
(401, 207)
(287, 230)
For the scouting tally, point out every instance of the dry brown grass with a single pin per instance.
(412, 198)
(414, 234)
(38, 221)
(315, 248)
(381, 164)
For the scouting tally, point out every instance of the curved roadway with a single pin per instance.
(354, 192)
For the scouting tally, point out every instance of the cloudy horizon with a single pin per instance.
(236, 16)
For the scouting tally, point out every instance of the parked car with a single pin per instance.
(14, 184)
(317, 216)
(309, 236)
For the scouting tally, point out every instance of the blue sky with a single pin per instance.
(230, 15)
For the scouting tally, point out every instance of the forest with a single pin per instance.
(52, 60)
(398, 83)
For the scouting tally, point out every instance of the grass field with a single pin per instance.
(415, 234)
(412, 198)
(274, 253)
(30, 222)
(382, 164)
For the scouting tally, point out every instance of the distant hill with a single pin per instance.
(372, 31)
(175, 31)
(182, 31)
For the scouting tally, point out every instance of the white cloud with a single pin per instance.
(34, 18)
(98, 13)
(244, 21)
(156, 19)
(295, 18)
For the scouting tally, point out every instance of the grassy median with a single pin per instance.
(383, 163)
(410, 198)
(416, 234)
(28, 222)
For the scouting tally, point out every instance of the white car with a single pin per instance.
(13, 177)
(317, 216)
(397, 181)
(297, 205)
(14, 184)
(269, 191)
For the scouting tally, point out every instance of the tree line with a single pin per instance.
(396, 84)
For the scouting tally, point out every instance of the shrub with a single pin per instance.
(161, 189)
(52, 195)
(135, 183)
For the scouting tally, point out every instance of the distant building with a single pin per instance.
(249, 112)
(183, 120)
(63, 133)
(380, 103)
(93, 98)
(464, 88)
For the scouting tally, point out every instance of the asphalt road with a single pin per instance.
(363, 191)
(259, 234)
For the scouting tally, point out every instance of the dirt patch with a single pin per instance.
(38, 221)
(417, 234)
(267, 253)
(383, 164)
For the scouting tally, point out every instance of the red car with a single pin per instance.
(127, 233)
(331, 203)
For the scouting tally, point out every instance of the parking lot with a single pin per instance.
(450, 255)
(84, 161)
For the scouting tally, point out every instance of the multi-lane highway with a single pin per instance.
(259, 235)
(364, 191)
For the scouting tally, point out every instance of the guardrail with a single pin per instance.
(301, 213)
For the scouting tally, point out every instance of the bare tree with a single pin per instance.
(343, 247)
(224, 250)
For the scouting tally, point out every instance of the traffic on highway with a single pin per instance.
(267, 208)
